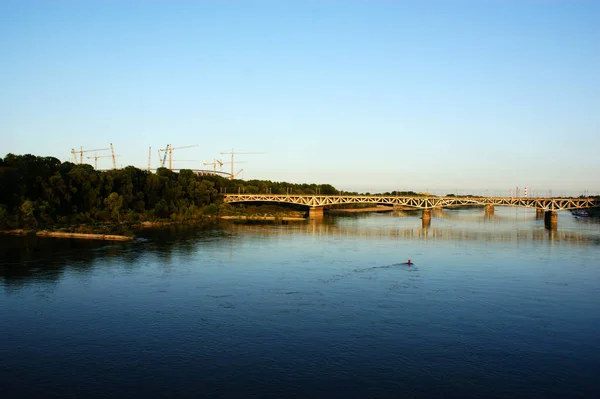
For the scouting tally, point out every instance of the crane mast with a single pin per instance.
(95, 158)
(214, 164)
(232, 153)
(169, 150)
(82, 151)
(112, 152)
(164, 158)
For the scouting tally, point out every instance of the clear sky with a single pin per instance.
(444, 96)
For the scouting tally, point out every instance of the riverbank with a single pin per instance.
(16, 232)
(84, 236)
(263, 218)
(379, 208)
(62, 234)
(125, 231)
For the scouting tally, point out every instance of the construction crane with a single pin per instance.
(112, 152)
(169, 149)
(232, 153)
(237, 162)
(214, 165)
(237, 174)
(220, 163)
(162, 163)
(95, 158)
(164, 158)
(81, 151)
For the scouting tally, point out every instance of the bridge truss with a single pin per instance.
(554, 204)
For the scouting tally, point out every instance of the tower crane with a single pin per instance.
(81, 151)
(162, 163)
(112, 152)
(214, 165)
(232, 153)
(169, 149)
(95, 158)
(237, 162)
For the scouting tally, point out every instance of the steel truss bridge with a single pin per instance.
(320, 201)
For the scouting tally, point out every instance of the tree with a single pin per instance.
(27, 208)
(114, 202)
(4, 217)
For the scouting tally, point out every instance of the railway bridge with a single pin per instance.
(317, 203)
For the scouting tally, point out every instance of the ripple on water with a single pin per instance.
(282, 312)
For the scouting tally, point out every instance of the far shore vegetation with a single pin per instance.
(43, 193)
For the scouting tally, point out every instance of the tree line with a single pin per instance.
(38, 192)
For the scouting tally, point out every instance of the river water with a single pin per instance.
(493, 307)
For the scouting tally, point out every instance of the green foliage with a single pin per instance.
(26, 210)
(211, 209)
(43, 192)
(4, 217)
(404, 194)
(113, 203)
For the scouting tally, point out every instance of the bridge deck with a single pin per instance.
(555, 204)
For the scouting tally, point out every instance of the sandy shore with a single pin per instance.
(379, 208)
(287, 218)
(105, 237)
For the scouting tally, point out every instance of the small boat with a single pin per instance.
(580, 213)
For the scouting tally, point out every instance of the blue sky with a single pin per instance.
(444, 96)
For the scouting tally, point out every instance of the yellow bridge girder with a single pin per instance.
(417, 202)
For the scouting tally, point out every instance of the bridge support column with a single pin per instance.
(426, 223)
(315, 212)
(426, 215)
(551, 220)
(489, 210)
(539, 213)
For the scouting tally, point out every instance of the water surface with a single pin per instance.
(494, 307)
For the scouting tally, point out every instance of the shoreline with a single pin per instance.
(84, 236)
(253, 218)
(379, 208)
(63, 234)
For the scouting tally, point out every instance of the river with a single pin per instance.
(493, 307)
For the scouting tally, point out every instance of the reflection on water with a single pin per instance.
(324, 229)
(494, 306)
(46, 258)
(469, 225)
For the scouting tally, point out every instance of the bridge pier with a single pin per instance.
(426, 216)
(425, 223)
(550, 220)
(539, 213)
(489, 210)
(315, 212)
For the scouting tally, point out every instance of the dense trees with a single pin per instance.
(38, 191)
(43, 191)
